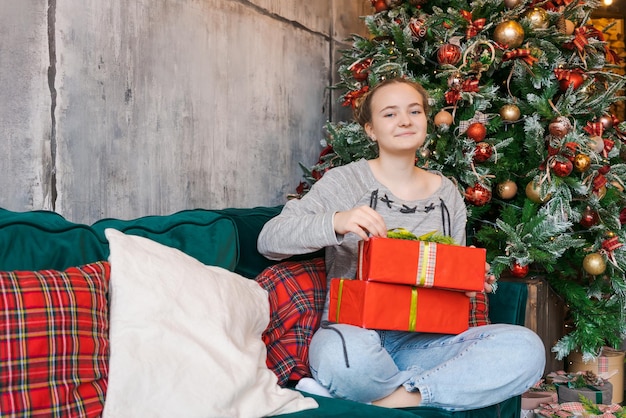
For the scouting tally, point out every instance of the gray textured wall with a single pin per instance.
(130, 108)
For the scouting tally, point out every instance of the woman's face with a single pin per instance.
(398, 121)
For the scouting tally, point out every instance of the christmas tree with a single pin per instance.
(526, 99)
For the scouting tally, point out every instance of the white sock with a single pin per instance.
(310, 385)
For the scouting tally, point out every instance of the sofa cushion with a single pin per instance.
(297, 292)
(203, 234)
(249, 222)
(41, 240)
(186, 338)
(54, 341)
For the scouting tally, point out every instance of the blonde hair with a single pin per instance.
(363, 110)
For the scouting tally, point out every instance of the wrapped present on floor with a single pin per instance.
(577, 409)
(421, 263)
(571, 386)
(608, 365)
(388, 306)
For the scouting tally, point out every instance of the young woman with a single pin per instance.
(479, 367)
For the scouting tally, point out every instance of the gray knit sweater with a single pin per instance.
(306, 225)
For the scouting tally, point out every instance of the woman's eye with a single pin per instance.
(388, 115)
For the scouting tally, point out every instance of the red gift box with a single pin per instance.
(388, 306)
(422, 263)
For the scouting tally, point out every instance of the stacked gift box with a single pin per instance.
(409, 285)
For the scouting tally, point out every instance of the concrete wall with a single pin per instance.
(130, 108)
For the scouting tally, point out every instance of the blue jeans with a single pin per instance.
(479, 367)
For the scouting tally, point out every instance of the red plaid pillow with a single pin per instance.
(54, 341)
(479, 310)
(297, 293)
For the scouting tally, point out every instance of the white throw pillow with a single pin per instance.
(185, 338)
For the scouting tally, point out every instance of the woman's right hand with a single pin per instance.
(361, 220)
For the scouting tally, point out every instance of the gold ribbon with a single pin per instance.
(425, 253)
(339, 294)
(413, 310)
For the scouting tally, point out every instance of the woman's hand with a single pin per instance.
(490, 279)
(362, 220)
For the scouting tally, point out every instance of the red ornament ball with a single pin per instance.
(379, 5)
(476, 131)
(483, 152)
(478, 194)
(589, 218)
(574, 79)
(561, 167)
(449, 54)
(360, 70)
(518, 270)
(418, 28)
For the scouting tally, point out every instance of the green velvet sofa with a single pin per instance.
(39, 240)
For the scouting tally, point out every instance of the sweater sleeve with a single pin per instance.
(306, 225)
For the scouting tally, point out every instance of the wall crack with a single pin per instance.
(52, 72)
(280, 18)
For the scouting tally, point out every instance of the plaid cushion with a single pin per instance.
(54, 342)
(297, 293)
(479, 310)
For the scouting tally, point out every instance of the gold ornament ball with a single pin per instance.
(570, 27)
(538, 17)
(443, 117)
(594, 264)
(596, 143)
(606, 121)
(560, 126)
(510, 113)
(507, 189)
(509, 33)
(425, 153)
(533, 192)
(582, 162)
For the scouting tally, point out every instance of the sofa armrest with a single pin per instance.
(508, 304)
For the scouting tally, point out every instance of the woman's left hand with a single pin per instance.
(490, 279)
